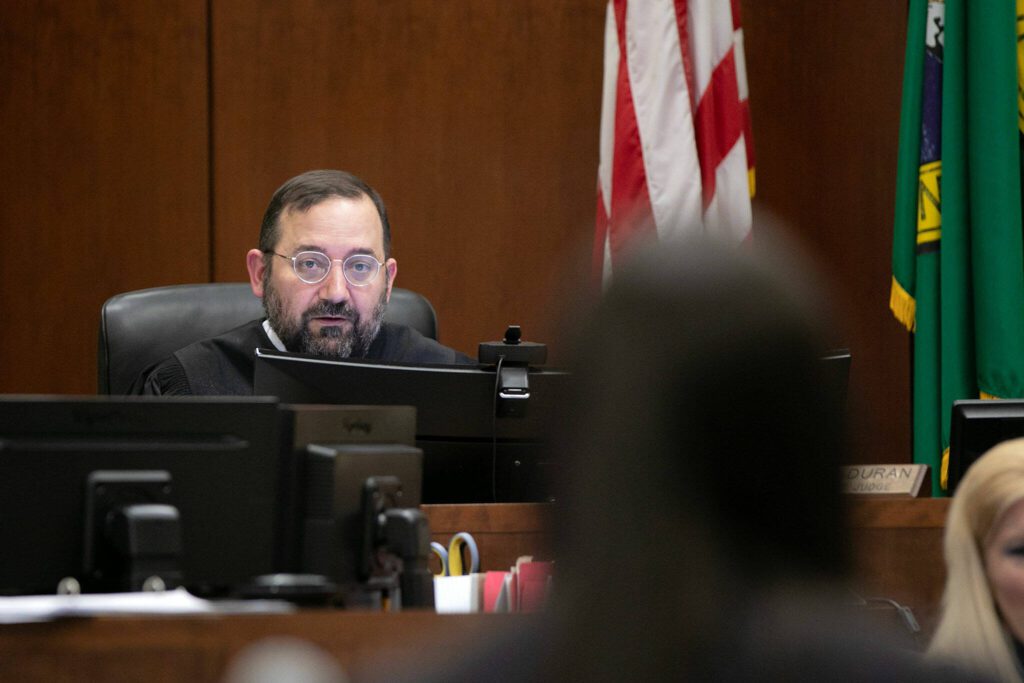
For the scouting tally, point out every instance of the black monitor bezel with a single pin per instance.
(977, 425)
(471, 455)
(224, 454)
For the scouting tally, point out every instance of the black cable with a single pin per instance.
(904, 612)
(494, 431)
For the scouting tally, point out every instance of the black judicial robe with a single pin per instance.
(225, 365)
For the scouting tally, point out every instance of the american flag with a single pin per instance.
(676, 155)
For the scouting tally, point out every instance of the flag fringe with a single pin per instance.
(903, 306)
(751, 182)
(984, 395)
(944, 471)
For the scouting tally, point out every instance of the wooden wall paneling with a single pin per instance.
(477, 122)
(503, 532)
(825, 85)
(103, 126)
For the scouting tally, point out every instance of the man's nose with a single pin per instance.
(334, 288)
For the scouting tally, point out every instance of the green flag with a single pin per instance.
(958, 254)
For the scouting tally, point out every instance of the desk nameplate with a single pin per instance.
(905, 481)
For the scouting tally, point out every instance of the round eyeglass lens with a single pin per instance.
(360, 269)
(311, 266)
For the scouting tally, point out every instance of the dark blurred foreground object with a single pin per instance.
(700, 527)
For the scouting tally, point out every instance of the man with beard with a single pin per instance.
(324, 271)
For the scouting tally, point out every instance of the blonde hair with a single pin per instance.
(970, 630)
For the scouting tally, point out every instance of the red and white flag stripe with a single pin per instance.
(674, 126)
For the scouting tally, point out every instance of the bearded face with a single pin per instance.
(332, 313)
(341, 341)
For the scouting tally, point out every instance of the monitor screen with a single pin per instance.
(977, 426)
(471, 454)
(222, 455)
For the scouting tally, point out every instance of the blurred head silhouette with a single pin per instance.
(705, 392)
(699, 505)
(706, 441)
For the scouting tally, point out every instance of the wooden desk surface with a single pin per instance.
(200, 648)
(897, 544)
(899, 513)
(897, 554)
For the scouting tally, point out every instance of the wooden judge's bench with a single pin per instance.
(897, 555)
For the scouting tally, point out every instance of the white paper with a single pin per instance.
(46, 607)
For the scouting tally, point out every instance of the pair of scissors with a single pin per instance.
(451, 559)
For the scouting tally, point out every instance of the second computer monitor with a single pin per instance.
(470, 454)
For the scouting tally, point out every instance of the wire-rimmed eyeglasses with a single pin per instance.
(313, 267)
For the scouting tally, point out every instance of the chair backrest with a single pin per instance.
(140, 328)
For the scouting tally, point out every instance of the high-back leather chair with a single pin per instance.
(140, 328)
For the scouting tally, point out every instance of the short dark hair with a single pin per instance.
(727, 399)
(309, 189)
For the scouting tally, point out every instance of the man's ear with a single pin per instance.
(392, 268)
(256, 264)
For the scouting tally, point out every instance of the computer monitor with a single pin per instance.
(976, 426)
(471, 454)
(223, 457)
(332, 424)
(349, 487)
